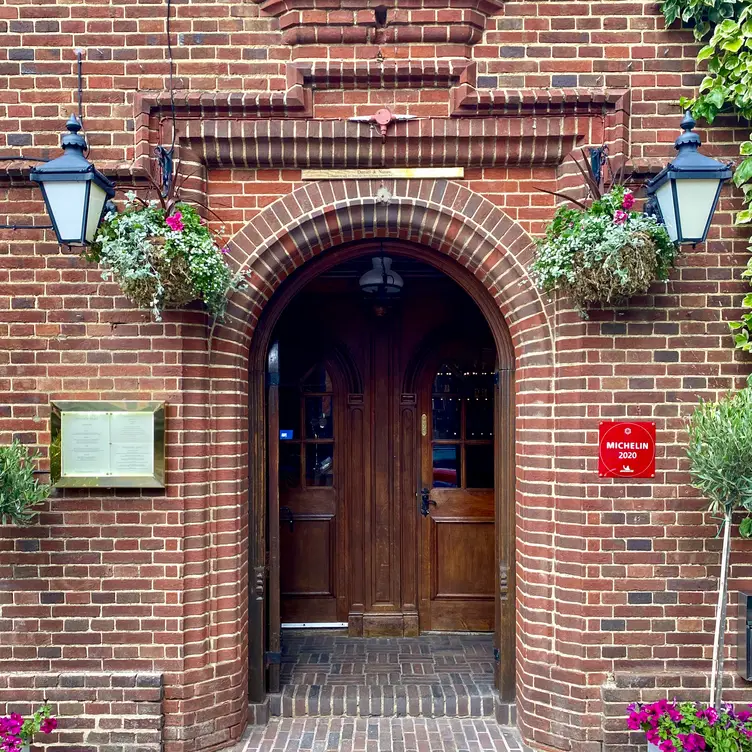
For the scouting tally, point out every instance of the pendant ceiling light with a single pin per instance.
(381, 285)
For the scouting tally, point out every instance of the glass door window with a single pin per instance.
(307, 432)
(462, 427)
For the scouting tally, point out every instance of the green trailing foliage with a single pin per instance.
(720, 453)
(727, 88)
(20, 492)
(701, 15)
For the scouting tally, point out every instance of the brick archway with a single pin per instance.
(463, 229)
(444, 215)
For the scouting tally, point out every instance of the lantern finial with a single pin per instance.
(73, 139)
(689, 137)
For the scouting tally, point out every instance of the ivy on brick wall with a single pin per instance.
(727, 88)
(701, 15)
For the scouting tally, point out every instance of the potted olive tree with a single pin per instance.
(720, 454)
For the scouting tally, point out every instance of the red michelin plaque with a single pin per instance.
(626, 450)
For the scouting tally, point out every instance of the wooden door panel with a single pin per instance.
(458, 579)
(462, 553)
(311, 579)
(308, 569)
(308, 565)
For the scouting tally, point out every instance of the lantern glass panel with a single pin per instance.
(665, 196)
(97, 197)
(696, 200)
(67, 204)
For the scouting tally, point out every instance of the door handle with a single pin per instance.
(425, 500)
(288, 517)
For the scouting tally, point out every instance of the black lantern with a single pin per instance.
(74, 191)
(687, 190)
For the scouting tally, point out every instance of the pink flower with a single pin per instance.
(11, 724)
(652, 736)
(620, 217)
(225, 250)
(175, 222)
(710, 714)
(628, 201)
(48, 725)
(667, 746)
(692, 742)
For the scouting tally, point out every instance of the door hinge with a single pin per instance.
(497, 655)
(272, 658)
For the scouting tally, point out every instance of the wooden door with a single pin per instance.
(310, 573)
(457, 533)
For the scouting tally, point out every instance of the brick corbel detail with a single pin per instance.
(528, 128)
(467, 101)
(388, 74)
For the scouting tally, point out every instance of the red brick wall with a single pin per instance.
(118, 711)
(615, 580)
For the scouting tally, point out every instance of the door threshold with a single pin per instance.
(456, 632)
(315, 625)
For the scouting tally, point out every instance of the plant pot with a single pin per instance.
(26, 748)
(653, 747)
(175, 274)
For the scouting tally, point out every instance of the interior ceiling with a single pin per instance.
(408, 268)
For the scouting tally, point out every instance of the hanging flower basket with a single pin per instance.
(604, 253)
(163, 257)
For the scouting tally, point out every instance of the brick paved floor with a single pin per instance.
(380, 735)
(331, 674)
(331, 657)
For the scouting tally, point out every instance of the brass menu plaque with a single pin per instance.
(107, 444)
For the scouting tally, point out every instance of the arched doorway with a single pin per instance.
(369, 411)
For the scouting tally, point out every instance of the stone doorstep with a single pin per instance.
(399, 734)
(410, 700)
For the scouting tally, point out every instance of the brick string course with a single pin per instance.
(615, 581)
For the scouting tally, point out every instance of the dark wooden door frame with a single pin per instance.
(505, 449)
(273, 596)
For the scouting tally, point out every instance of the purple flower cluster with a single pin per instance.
(15, 731)
(10, 733)
(690, 727)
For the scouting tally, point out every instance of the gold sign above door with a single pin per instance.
(377, 173)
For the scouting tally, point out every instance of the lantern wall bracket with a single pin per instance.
(14, 227)
(26, 227)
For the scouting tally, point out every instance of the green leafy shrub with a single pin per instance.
(743, 329)
(163, 256)
(603, 253)
(702, 15)
(726, 87)
(20, 492)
